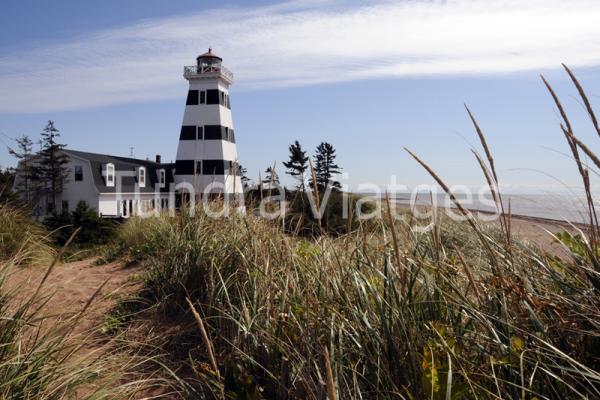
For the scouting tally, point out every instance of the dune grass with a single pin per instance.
(445, 322)
(23, 239)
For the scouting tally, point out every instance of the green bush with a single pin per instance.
(94, 229)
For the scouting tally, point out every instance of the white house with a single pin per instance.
(119, 187)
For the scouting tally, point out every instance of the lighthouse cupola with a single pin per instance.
(208, 60)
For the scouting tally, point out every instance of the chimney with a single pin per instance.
(158, 158)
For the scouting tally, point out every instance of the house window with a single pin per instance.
(110, 175)
(78, 173)
(65, 205)
(162, 176)
(142, 177)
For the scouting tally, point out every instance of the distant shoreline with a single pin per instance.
(544, 220)
(538, 231)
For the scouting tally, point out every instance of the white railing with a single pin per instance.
(195, 70)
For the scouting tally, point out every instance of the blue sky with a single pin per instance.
(369, 79)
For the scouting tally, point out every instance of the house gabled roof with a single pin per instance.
(124, 164)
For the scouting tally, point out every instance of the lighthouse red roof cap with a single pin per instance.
(209, 54)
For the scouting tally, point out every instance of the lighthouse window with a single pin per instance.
(184, 167)
(212, 96)
(188, 132)
(212, 132)
(203, 97)
(192, 98)
(213, 167)
(231, 136)
(198, 170)
(200, 132)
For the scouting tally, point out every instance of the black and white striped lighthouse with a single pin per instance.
(206, 154)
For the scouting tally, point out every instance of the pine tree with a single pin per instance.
(243, 174)
(26, 183)
(7, 178)
(298, 164)
(50, 165)
(325, 166)
(271, 177)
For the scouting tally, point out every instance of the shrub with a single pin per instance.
(94, 229)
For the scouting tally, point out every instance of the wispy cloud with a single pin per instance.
(303, 43)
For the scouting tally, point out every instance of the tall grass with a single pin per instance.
(23, 239)
(462, 311)
(46, 353)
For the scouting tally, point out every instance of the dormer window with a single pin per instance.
(162, 177)
(110, 175)
(142, 176)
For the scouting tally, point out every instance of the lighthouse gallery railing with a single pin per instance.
(194, 70)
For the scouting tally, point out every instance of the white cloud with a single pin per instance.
(304, 43)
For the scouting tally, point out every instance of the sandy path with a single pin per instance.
(73, 284)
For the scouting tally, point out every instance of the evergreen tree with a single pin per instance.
(26, 183)
(243, 174)
(50, 165)
(325, 166)
(298, 164)
(7, 177)
(271, 177)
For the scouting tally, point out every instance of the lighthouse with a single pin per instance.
(207, 154)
